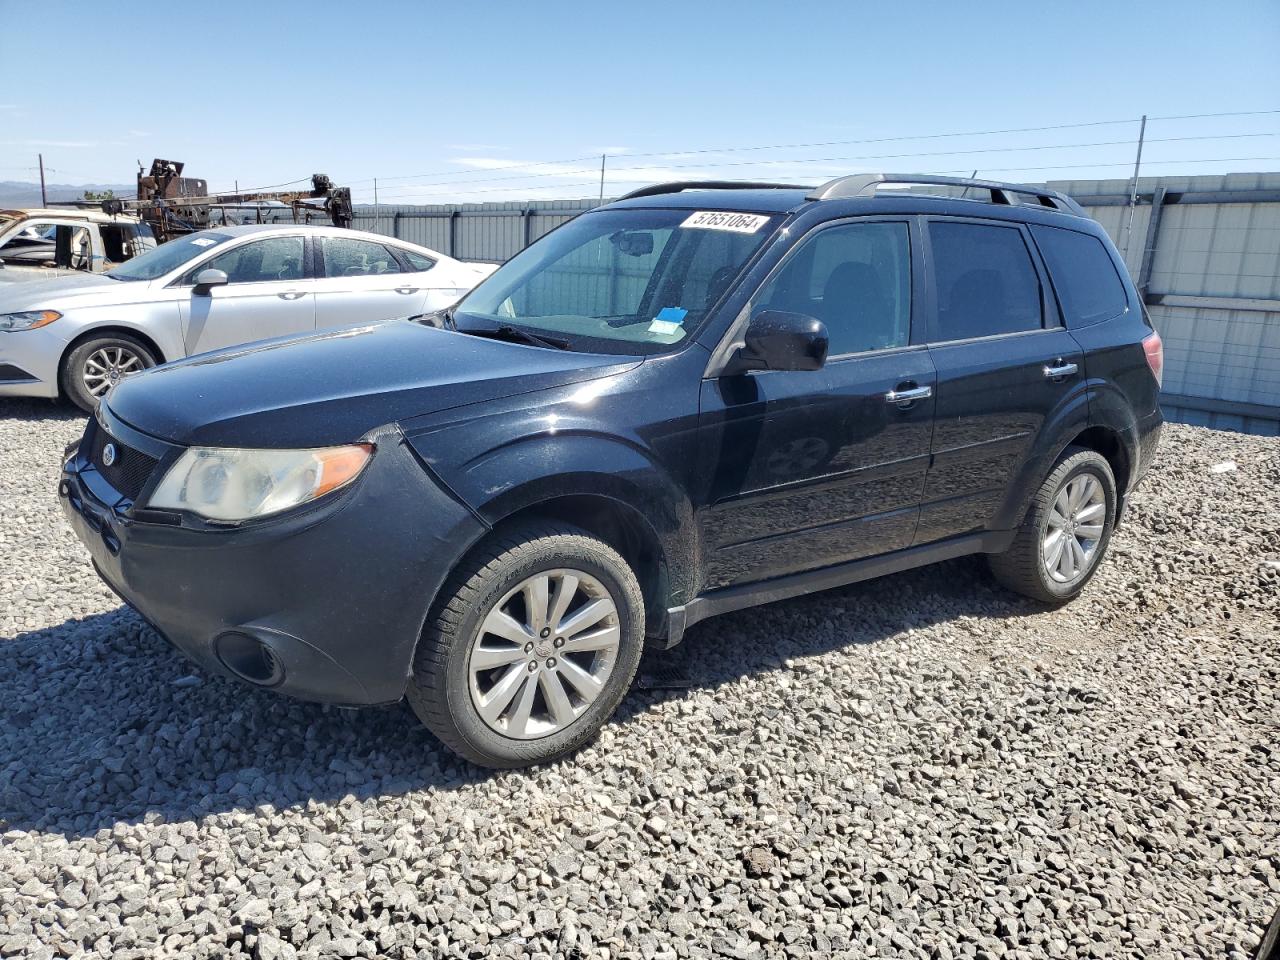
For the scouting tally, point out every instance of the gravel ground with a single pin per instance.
(922, 766)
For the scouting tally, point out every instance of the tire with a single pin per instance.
(497, 578)
(1025, 567)
(93, 358)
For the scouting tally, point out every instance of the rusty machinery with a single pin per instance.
(175, 205)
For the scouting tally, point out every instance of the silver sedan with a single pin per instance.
(78, 336)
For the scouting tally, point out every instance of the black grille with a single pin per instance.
(129, 471)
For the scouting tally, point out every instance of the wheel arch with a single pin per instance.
(106, 329)
(623, 527)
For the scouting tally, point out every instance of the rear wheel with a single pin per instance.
(1066, 531)
(531, 646)
(92, 370)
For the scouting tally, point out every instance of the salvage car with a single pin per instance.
(81, 335)
(37, 244)
(696, 399)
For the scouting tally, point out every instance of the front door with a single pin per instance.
(811, 469)
(266, 295)
(1004, 363)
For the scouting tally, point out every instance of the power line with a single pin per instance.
(830, 143)
(409, 198)
(881, 156)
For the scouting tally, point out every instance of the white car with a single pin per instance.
(78, 336)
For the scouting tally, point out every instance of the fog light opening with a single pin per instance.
(249, 658)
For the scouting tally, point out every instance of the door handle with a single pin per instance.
(909, 395)
(1059, 369)
(290, 295)
(406, 289)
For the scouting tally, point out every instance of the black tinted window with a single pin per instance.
(1084, 275)
(986, 281)
(856, 279)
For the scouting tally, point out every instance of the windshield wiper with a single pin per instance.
(520, 335)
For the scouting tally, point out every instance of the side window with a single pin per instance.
(32, 244)
(417, 261)
(1084, 275)
(986, 280)
(855, 278)
(275, 258)
(357, 258)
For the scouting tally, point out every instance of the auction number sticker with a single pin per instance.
(726, 220)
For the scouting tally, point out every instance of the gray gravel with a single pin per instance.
(922, 766)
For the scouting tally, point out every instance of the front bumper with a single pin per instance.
(29, 362)
(337, 592)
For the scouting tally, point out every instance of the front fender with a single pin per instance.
(537, 469)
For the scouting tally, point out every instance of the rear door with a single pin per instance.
(265, 295)
(1004, 363)
(362, 281)
(812, 469)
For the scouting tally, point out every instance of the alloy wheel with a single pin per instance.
(107, 366)
(1074, 528)
(543, 653)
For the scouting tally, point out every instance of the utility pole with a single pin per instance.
(602, 159)
(1133, 187)
(44, 201)
(377, 213)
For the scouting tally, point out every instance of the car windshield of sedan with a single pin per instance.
(160, 260)
(620, 281)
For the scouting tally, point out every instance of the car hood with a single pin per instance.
(68, 290)
(335, 387)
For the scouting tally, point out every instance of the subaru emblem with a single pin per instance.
(108, 454)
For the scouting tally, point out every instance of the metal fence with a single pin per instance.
(1204, 251)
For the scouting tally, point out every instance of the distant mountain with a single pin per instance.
(17, 193)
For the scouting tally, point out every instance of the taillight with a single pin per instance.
(1153, 347)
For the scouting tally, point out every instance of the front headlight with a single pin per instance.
(223, 483)
(27, 319)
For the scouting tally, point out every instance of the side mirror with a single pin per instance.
(208, 279)
(778, 340)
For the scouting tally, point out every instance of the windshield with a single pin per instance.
(158, 261)
(620, 281)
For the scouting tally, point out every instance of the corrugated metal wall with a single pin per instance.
(471, 231)
(1212, 283)
(1210, 273)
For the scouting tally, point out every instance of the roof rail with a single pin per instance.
(658, 189)
(865, 185)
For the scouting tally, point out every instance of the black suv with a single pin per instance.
(700, 397)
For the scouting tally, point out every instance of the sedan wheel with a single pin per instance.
(107, 366)
(99, 363)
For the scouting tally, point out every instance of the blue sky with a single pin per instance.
(469, 101)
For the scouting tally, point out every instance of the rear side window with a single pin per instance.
(417, 261)
(1084, 275)
(986, 281)
(357, 258)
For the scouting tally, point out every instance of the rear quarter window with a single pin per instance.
(1084, 275)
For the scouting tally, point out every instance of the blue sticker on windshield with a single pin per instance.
(668, 320)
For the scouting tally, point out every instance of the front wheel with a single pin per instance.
(530, 647)
(1064, 537)
(94, 367)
